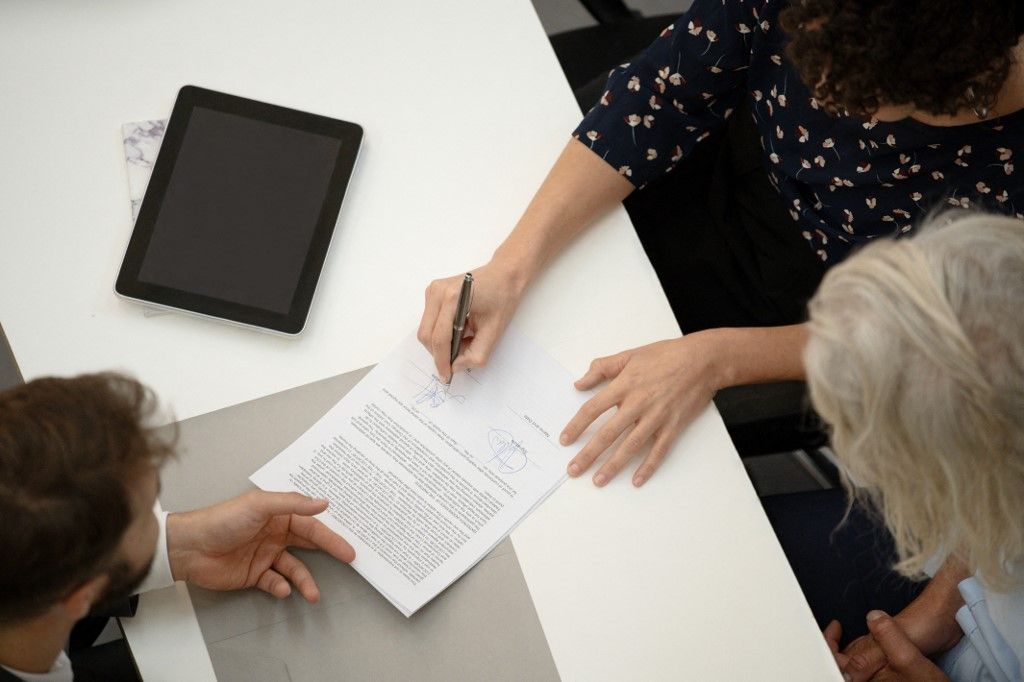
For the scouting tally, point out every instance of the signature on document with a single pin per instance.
(437, 393)
(507, 452)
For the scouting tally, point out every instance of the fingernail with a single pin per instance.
(574, 469)
(875, 615)
(847, 677)
(564, 438)
(858, 662)
(600, 479)
(638, 480)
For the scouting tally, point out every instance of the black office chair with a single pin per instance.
(762, 419)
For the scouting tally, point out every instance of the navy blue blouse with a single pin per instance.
(845, 180)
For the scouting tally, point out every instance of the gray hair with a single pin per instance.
(916, 360)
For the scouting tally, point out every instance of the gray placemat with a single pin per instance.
(483, 627)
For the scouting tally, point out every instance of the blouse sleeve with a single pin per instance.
(676, 94)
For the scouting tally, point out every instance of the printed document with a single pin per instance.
(423, 478)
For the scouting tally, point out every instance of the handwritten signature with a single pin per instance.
(507, 452)
(437, 393)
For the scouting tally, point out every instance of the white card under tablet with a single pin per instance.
(239, 211)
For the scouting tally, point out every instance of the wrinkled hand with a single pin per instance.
(244, 542)
(833, 632)
(863, 657)
(929, 622)
(885, 655)
(658, 389)
(497, 291)
(906, 663)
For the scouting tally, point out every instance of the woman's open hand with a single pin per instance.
(658, 389)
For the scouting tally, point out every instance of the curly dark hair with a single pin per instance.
(941, 56)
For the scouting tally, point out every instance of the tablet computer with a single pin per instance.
(239, 211)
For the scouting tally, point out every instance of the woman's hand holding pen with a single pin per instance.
(658, 389)
(580, 188)
(497, 290)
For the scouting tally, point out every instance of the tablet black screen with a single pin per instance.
(240, 209)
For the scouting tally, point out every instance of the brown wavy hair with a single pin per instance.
(941, 56)
(69, 450)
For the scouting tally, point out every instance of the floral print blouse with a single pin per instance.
(845, 180)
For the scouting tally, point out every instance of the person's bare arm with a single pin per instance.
(580, 188)
(753, 355)
(656, 390)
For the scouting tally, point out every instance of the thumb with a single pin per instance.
(902, 654)
(476, 349)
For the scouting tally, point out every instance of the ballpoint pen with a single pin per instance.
(461, 313)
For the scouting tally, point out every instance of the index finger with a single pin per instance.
(441, 338)
(275, 504)
(431, 307)
(833, 633)
(305, 529)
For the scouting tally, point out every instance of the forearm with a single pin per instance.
(751, 355)
(930, 620)
(578, 190)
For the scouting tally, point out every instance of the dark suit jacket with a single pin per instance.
(111, 662)
(8, 677)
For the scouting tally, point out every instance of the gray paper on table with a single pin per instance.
(482, 627)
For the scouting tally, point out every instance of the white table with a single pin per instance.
(464, 108)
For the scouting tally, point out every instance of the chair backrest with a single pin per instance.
(608, 11)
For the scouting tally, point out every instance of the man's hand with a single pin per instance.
(243, 543)
(906, 663)
(657, 389)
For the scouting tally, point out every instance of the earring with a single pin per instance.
(980, 112)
